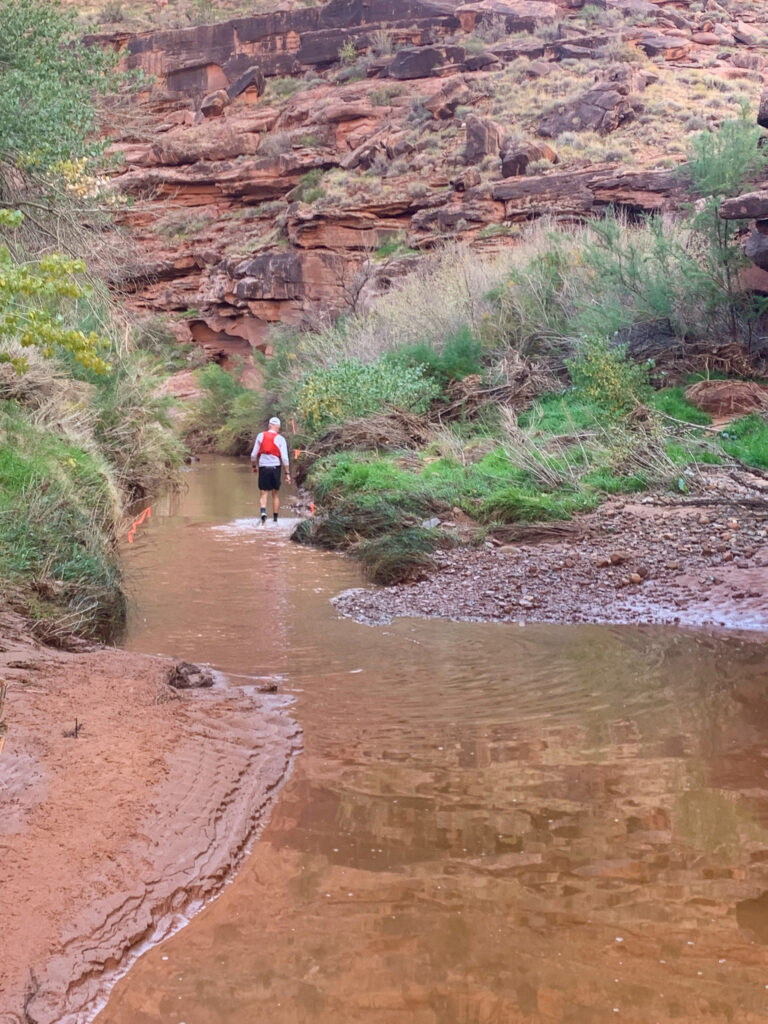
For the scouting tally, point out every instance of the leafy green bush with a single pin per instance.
(603, 376)
(36, 303)
(49, 78)
(226, 417)
(462, 355)
(350, 389)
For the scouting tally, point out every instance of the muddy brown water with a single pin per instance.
(489, 823)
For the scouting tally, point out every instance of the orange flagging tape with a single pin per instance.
(293, 424)
(146, 514)
(296, 453)
(312, 508)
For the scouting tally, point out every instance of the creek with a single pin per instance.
(489, 824)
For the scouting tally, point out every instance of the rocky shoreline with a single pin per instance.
(700, 561)
(112, 838)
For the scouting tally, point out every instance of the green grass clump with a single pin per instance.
(59, 510)
(747, 439)
(398, 557)
(518, 505)
(672, 402)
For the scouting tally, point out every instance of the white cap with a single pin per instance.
(274, 420)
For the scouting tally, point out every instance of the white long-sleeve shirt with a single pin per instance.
(271, 460)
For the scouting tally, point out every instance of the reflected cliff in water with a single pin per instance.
(490, 823)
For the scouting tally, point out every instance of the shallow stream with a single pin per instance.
(489, 824)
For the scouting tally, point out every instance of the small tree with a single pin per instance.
(33, 301)
(722, 164)
(48, 81)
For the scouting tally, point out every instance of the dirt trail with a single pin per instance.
(112, 838)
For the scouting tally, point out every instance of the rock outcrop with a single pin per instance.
(278, 174)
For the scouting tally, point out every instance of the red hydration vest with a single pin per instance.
(268, 446)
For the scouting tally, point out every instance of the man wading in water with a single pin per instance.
(269, 451)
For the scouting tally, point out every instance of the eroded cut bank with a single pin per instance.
(112, 838)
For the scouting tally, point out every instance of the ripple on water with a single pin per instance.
(488, 824)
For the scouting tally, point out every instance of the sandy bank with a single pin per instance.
(656, 560)
(109, 839)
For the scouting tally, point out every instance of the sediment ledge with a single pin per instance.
(111, 839)
(700, 562)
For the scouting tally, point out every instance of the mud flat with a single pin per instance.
(631, 562)
(110, 840)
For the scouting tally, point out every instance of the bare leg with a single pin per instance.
(275, 502)
(263, 498)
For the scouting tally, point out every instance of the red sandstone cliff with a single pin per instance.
(276, 160)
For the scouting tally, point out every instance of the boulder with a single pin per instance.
(206, 142)
(538, 69)
(756, 247)
(469, 179)
(509, 49)
(705, 38)
(415, 62)
(747, 35)
(746, 206)
(270, 276)
(515, 157)
(603, 108)
(480, 61)
(186, 676)
(214, 103)
(252, 79)
(442, 104)
(518, 15)
(484, 138)
(667, 47)
(762, 114)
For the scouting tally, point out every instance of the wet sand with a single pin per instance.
(112, 839)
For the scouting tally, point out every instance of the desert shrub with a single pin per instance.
(348, 52)
(309, 190)
(350, 389)
(226, 416)
(722, 162)
(236, 434)
(603, 376)
(285, 87)
(461, 355)
(132, 427)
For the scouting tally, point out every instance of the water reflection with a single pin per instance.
(489, 824)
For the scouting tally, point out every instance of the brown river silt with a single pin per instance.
(489, 824)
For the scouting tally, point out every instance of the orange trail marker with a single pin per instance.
(293, 424)
(312, 508)
(146, 514)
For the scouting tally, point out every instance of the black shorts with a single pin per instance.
(269, 478)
